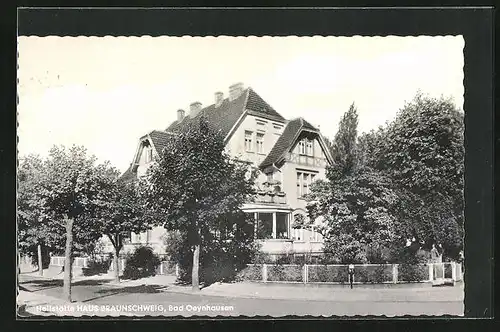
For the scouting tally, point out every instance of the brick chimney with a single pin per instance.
(235, 91)
(180, 115)
(219, 98)
(194, 109)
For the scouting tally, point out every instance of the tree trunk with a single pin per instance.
(40, 260)
(116, 264)
(68, 259)
(196, 267)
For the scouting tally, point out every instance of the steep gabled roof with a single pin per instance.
(224, 117)
(159, 139)
(259, 106)
(285, 141)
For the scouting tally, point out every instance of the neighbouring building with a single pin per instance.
(290, 154)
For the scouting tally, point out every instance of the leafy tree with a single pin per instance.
(197, 188)
(358, 211)
(73, 188)
(36, 232)
(418, 159)
(423, 151)
(344, 145)
(356, 202)
(123, 213)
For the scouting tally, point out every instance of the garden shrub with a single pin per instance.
(97, 266)
(328, 258)
(285, 259)
(262, 258)
(413, 272)
(143, 262)
(223, 254)
(328, 273)
(373, 273)
(284, 273)
(250, 273)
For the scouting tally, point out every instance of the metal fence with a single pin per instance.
(366, 273)
(165, 267)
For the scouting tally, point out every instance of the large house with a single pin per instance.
(290, 155)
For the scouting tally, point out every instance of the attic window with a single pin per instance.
(148, 151)
(306, 147)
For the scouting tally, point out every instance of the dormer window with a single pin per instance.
(302, 147)
(309, 148)
(148, 154)
(306, 147)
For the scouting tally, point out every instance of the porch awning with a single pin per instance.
(260, 207)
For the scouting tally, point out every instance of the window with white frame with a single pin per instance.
(309, 148)
(282, 225)
(272, 225)
(304, 180)
(148, 154)
(302, 147)
(264, 225)
(306, 147)
(260, 142)
(248, 141)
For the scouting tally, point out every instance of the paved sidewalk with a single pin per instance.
(422, 292)
(312, 292)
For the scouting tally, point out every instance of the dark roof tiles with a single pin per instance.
(225, 117)
(286, 140)
(257, 104)
(160, 139)
(222, 118)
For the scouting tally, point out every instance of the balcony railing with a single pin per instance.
(305, 160)
(265, 196)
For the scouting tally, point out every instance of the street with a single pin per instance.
(95, 297)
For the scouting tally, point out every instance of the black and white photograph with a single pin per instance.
(240, 176)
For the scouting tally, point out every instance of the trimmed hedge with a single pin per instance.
(339, 273)
(408, 273)
(284, 273)
(250, 273)
(328, 273)
(373, 273)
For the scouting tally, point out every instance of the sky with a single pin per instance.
(106, 92)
